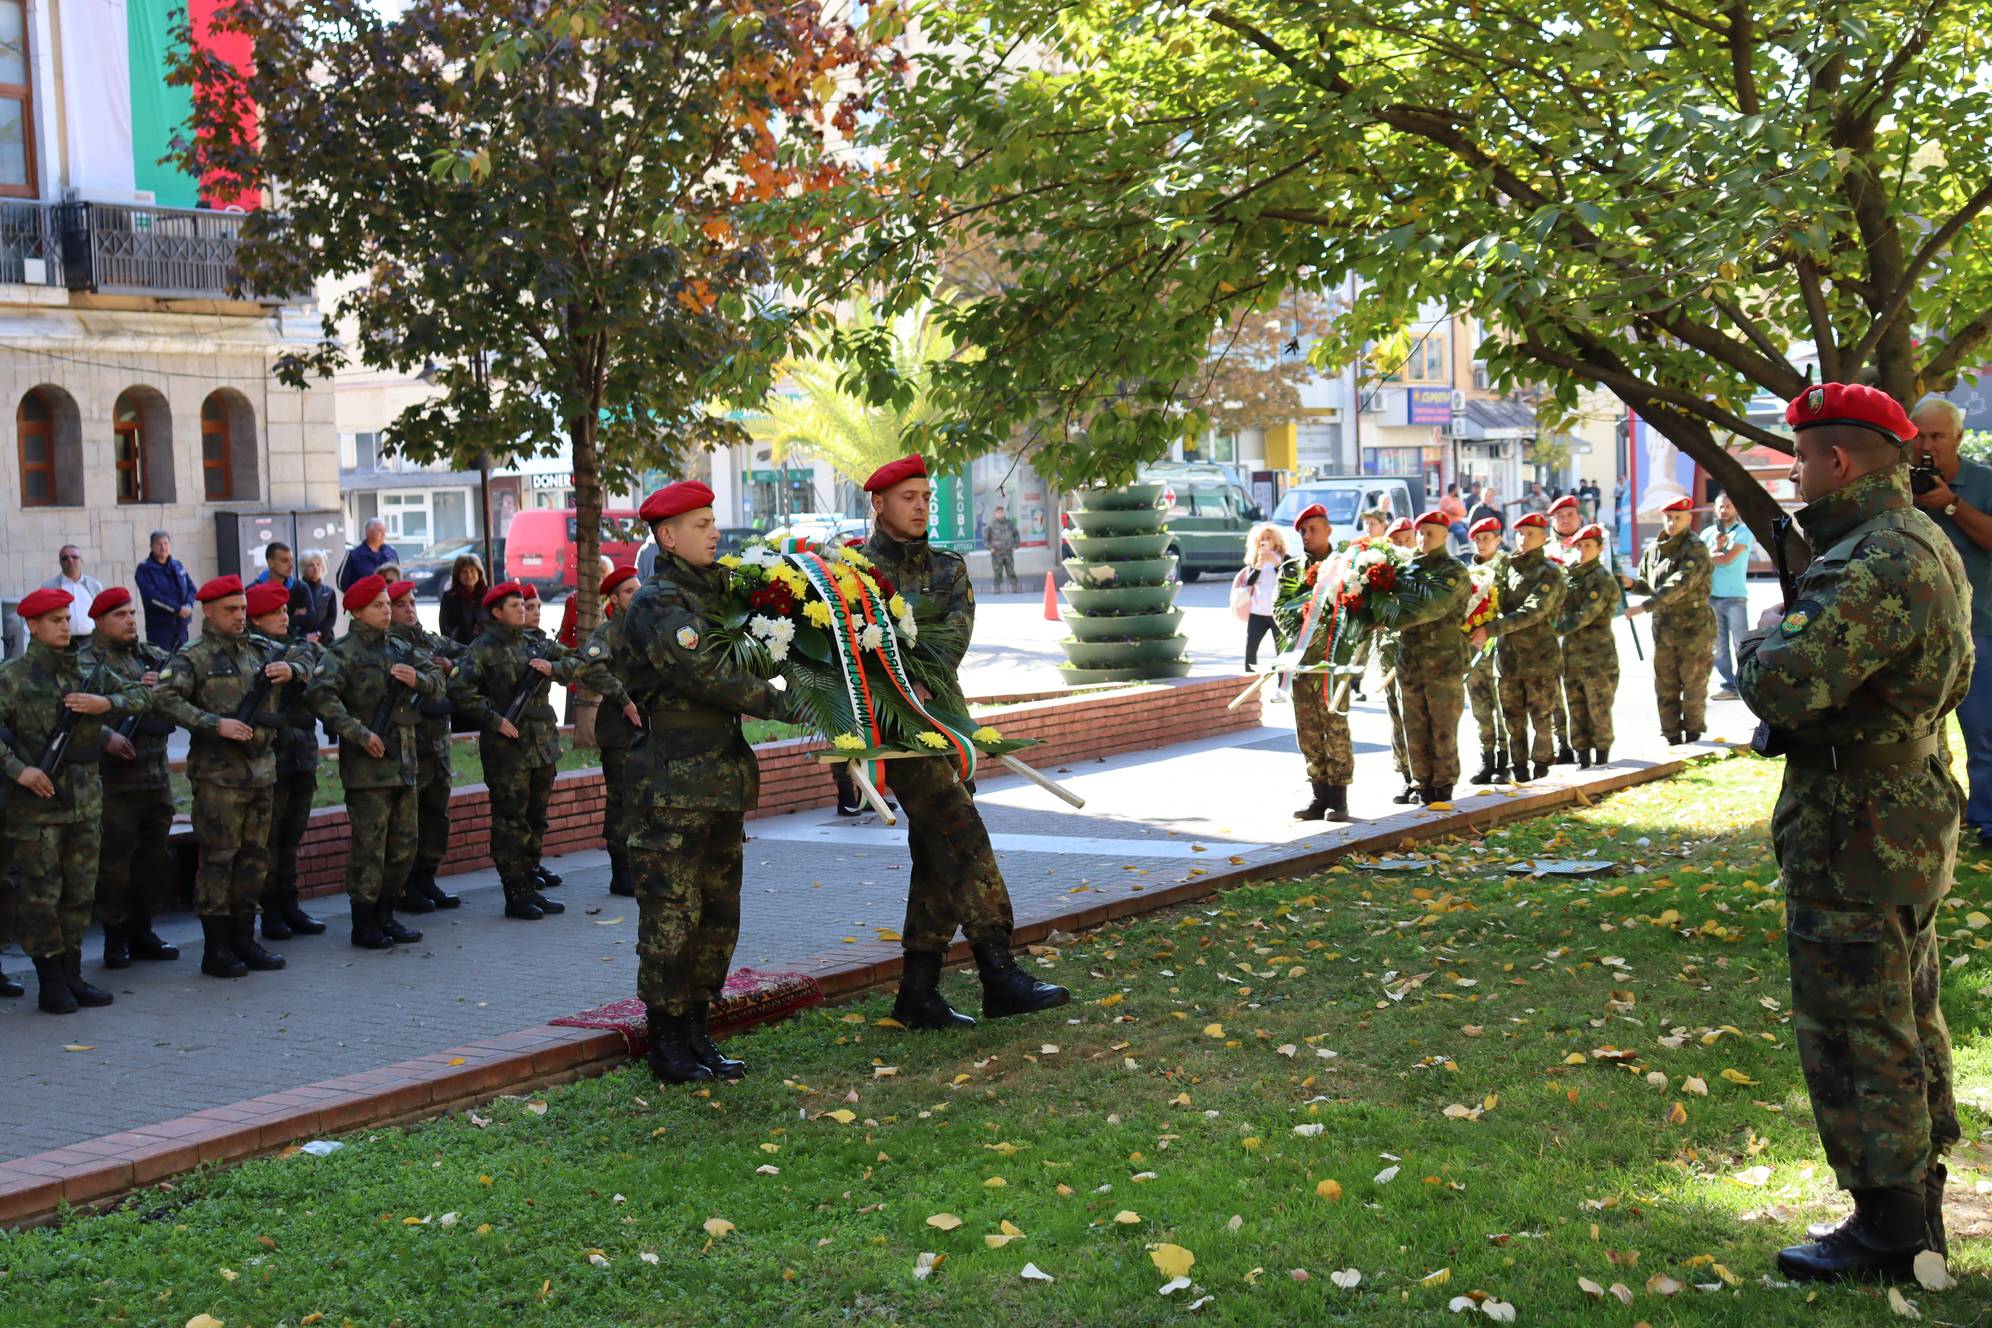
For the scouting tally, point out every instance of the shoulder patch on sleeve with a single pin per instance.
(1798, 617)
(594, 650)
(688, 638)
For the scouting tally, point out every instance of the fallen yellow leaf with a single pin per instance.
(1331, 1190)
(1127, 1217)
(944, 1221)
(1737, 1077)
(718, 1227)
(1172, 1260)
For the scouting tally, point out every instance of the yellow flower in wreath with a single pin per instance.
(986, 734)
(817, 612)
(896, 606)
(729, 561)
(930, 739)
(849, 742)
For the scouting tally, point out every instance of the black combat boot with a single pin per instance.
(1338, 803)
(394, 931)
(1315, 810)
(1888, 1230)
(296, 919)
(542, 903)
(1601, 755)
(1008, 990)
(545, 879)
(422, 879)
(412, 899)
(619, 882)
(218, 957)
(705, 1051)
(1564, 756)
(9, 987)
(85, 994)
(52, 975)
(117, 946)
(1542, 771)
(519, 896)
(276, 927)
(1933, 1212)
(367, 934)
(1437, 793)
(1583, 758)
(920, 1003)
(248, 950)
(1521, 771)
(1488, 771)
(1692, 735)
(1407, 794)
(145, 943)
(671, 1058)
(849, 801)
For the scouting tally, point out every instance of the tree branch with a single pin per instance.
(1742, 44)
(1687, 402)
(1898, 299)
(1941, 370)
(1824, 338)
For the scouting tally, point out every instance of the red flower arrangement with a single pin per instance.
(1383, 576)
(774, 597)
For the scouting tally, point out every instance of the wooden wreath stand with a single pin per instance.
(871, 795)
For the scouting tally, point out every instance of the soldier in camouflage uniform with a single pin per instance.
(364, 687)
(692, 780)
(435, 773)
(296, 750)
(9, 987)
(233, 767)
(1482, 679)
(617, 722)
(1001, 537)
(1561, 548)
(1854, 685)
(1531, 592)
(1431, 663)
(954, 883)
(542, 795)
(520, 756)
(1398, 532)
(1322, 730)
(1675, 574)
(138, 796)
(1590, 651)
(54, 823)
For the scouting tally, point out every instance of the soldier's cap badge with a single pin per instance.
(1815, 401)
(688, 638)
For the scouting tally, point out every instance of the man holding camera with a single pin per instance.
(1957, 495)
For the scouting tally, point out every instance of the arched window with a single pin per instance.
(49, 441)
(228, 448)
(217, 482)
(142, 433)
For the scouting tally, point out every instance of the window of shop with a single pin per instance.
(407, 516)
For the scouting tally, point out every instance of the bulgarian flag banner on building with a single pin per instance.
(130, 141)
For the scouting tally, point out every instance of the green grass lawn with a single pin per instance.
(1455, 1083)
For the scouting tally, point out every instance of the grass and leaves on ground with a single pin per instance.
(1370, 1097)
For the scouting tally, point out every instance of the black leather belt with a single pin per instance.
(1859, 755)
(689, 719)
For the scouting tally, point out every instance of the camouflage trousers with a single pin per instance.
(1323, 733)
(1526, 705)
(1480, 689)
(232, 827)
(686, 868)
(1871, 1037)
(1559, 715)
(1682, 660)
(1400, 751)
(432, 812)
(955, 882)
(615, 798)
(134, 862)
(519, 797)
(382, 850)
(1003, 567)
(1590, 693)
(1431, 709)
(290, 815)
(58, 879)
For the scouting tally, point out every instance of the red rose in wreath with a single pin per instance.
(885, 590)
(1308, 579)
(1382, 577)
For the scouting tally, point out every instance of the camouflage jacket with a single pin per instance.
(488, 675)
(1875, 648)
(350, 684)
(297, 740)
(1430, 646)
(936, 577)
(1001, 535)
(32, 686)
(1590, 603)
(433, 729)
(691, 753)
(612, 728)
(1290, 610)
(1531, 590)
(207, 682)
(148, 769)
(1676, 575)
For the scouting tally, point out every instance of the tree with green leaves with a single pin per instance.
(1666, 201)
(539, 198)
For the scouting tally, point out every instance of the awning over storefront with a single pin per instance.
(1491, 420)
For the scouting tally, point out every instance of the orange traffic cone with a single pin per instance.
(1050, 600)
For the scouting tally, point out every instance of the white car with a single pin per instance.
(1346, 499)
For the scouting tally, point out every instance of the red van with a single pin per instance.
(540, 544)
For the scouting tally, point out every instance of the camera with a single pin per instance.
(1923, 476)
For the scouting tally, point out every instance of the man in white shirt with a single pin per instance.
(82, 590)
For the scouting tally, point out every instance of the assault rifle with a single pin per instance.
(529, 686)
(397, 691)
(56, 751)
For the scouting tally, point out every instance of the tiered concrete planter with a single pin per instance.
(1122, 591)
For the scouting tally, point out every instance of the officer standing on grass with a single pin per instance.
(955, 884)
(435, 775)
(617, 721)
(693, 779)
(1854, 683)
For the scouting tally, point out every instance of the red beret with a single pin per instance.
(1399, 526)
(267, 597)
(219, 588)
(1567, 503)
(1308, 514)
(617, 577)
(36, 603)
(1435, 518)
(1592, 531)
(1681, 504)
(528, 590)
(114, 598)
(365, 591)
(500, 591)
(1486, 525)
(1536, 519)
(897, 472)
(1849, 403)
(675, 500)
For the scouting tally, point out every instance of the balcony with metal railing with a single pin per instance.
(30, 248)
(125, 249)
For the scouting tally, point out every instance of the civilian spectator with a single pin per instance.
(646, 563)
(314, 607)
(569, 634)
(276, 566)
(1454, 508)
(1589, 496)
(168, 593)
(1374, 522)
(1728, 541)
(368, 556)
(463, 615)
(1257, 586)
(1488, 506)
(1961, 504)
(82, 589)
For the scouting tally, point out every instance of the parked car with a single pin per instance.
(541, 542)
(430, 569)
(1347, 497)
(1209, 514)
(806, 530)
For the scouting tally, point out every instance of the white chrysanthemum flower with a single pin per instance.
(759, 555)
(778, 650)
(782, 631)
(871, 638)
(908, 630)
(762, 625)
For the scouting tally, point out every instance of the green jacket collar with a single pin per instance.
(366, 635)
(1835, 516)
(675, 569)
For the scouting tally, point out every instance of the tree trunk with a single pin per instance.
(587, 560)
